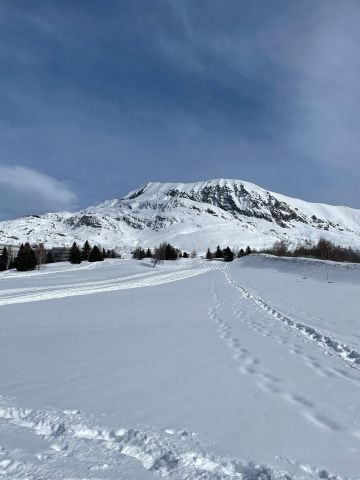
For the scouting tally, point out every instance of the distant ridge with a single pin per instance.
(191, 216)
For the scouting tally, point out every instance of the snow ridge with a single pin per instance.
(93, 449)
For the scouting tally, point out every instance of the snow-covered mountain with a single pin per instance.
(191, 216)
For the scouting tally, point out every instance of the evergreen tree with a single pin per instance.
(139, 253)
(185, 255)
(209, 255)
(170, 252)
(228, 254)
(50, 257)
(248, 250)
(85, 251)
(165, 251)
(241, 253)
(218, 252)
(95, 254)
(25, 259)
(148, 253)
(75, 254)
(4, 260)
(103, 253)
(110, 253)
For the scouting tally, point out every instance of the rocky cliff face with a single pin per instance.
(194, 215)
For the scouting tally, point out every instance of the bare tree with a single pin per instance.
(280, 248)
(159, 254)
(40, 254)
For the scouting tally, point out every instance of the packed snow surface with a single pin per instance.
(192, 370)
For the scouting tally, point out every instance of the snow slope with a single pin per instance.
(191, 216)
(193, 370)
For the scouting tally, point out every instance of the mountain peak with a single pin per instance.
(151, 188)
(192, 215)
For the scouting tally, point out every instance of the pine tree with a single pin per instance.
(241, 253)
(25, 259)
(228, 254)
(209, 255)
(139, 253)
(85, 251)
(148, 253)
(75, 254)
(218, 252)
(248, 250)
(170, 252)
(50, 257)
(185, 255)
(4, 260)
(95, 254)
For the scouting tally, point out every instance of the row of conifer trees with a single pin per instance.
(90, 254)
(27, 258)
(166, 251)
(31, 257)
(227, 254)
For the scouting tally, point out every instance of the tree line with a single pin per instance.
(89, 254)
(166, 251)
(29, 257)
(322, 249)
(227, 254)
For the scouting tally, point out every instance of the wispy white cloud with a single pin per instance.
(27, 191)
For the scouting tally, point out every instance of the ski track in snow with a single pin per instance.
(342, 351)
(74, 446)
(79, 448)
(9, 274)
(143, 280)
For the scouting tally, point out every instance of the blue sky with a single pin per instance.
(98, 98)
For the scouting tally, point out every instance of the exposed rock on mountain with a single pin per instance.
(192, 216)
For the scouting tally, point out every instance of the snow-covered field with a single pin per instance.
(193, 370)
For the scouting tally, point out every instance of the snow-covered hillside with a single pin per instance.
(191, 216)
(193, 370)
